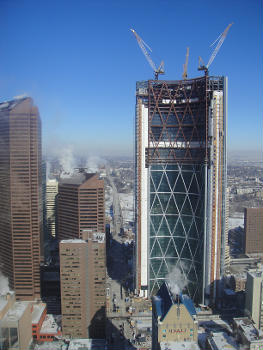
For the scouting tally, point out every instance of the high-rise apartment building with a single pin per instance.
(83, 286)
(180, 183)
(51, 206)
(253, 222)
(21, 196)
(80, 205)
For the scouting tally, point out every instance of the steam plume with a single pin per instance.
(177, 280)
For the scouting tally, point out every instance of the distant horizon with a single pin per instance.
(80, 63)
(245, 154)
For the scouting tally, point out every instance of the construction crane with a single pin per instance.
(143, 46)
(185, 64)
(219, 41)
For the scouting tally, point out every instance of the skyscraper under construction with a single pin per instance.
(181, 183)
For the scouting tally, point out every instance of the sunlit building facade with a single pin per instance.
(21, 217)
(180, 184)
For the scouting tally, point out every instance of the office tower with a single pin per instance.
(253, 222)
(254, 297)
(180, 183)
(80, 205)
(51, 206)
(173, 319)
(21, 196)
(83, 285)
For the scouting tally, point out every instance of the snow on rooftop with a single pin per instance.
(127, 206)
(55, 345)
(172, 345)
(16, 311)
(38, 310)
(248, 329)
(235, 222)
(87, 344)
(49, 325)
(222, 341)
(76, 240)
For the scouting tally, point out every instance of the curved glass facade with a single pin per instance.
(176, 225)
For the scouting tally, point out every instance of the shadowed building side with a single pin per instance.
(83, 285)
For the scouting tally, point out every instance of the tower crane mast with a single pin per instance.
(143, 46)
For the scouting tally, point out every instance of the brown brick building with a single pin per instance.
(80, 205)
(83, 276)
(253, 230)
(21, 196)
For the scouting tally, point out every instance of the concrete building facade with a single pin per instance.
(15, 323)
(80, 205)
(21, 196)
(180, 184)
(254, 297)
(83, 286)
(253, 222)
(51, 206)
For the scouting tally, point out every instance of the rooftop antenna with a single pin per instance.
(143, 46)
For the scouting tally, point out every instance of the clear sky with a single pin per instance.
(79, 61)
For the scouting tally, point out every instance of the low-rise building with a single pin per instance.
(174, 318)
(247, 335)
(221, 341)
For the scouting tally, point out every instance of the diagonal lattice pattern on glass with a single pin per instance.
(176, 224)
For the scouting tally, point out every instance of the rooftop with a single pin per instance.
(172, 345)
(76, 240)
(8, 105)
(87, 344)
(16, 311)
(49, 325)
(55, 345)
(38, 310)
(249, 331)
(164, 300)
(76, 179)
(257, 273)
(222, 341)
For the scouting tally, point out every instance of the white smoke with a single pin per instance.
(4, 284)
(93, 164)
(67, 161)
(177, 280)
(47, 170)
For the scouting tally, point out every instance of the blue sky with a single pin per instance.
(80, 62)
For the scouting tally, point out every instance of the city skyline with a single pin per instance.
(67, 53)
